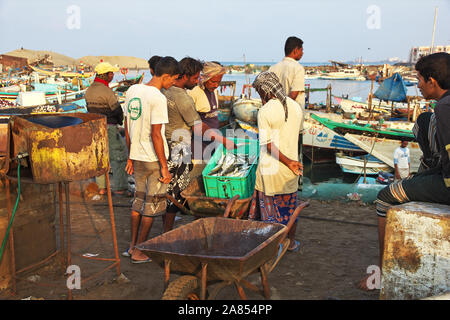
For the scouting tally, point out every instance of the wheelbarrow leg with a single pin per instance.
(204, 279)
(264, 282)
(240, 290)
(166, 273)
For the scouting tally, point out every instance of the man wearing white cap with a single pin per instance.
(101, 99)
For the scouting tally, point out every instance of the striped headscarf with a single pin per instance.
(269, 83)
(210, 69)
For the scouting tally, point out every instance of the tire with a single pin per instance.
(183, 288)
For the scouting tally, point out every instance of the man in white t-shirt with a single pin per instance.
(146, 114)
(291, 73)
(401, 161)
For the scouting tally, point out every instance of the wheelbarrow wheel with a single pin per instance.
(183, 288)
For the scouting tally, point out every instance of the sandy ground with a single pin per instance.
(338, 243)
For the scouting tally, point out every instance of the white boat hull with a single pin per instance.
(319, 136)
(383, 149)
(356, 166)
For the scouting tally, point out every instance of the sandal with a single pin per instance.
(296, 246)
(141, 261)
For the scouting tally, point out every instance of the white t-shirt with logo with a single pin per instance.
(401, 157)
(145, 105)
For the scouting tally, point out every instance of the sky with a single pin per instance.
(341, 30)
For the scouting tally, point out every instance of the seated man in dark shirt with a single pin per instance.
(433, 184)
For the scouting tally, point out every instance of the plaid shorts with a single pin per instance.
(149, 198)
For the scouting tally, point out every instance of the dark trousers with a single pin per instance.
(427, 186)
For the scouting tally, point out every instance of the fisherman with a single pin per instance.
(402, 161)
(279, 125)
(101, 99)
(206, 99)
(425, 133)
(183, 118)
(431, 185)
(146, 116)
(291, 73)
(152, 63)
(292, 77)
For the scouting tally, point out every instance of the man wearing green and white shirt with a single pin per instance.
(146, 113)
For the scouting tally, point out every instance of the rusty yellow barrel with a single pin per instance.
(60, 147)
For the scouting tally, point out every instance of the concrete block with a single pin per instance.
(416, 259)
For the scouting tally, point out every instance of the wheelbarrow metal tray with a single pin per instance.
(232, 248)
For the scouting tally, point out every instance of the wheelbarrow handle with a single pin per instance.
(292, 219)
(179, 205)
(230, 205)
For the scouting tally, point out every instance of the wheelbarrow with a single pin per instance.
(218, 250)
(202, 206)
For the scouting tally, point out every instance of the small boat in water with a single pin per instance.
(343, 74)
(357, 165)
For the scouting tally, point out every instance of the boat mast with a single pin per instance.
(247, 81)
(245, 70)
(434, 29)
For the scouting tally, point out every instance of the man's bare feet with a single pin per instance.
(138, 256)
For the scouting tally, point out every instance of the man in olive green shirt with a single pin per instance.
(101, 99)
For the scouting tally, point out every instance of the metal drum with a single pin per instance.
(60, 147)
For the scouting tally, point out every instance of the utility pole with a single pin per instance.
(434, 29)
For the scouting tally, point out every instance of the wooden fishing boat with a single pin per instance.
(62, 73)
(317, 135)
(383, 148)
(246, 110)
(367, 164)
(123, 85)
(343, 74)
(365, 128)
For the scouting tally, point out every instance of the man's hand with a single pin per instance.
(229, 144)
(397, 174)
(296, 167)
(129, 167)
(166, 177)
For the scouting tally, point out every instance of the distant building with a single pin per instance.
(12, 62)
(418, 52)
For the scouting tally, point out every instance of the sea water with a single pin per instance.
(359, 90)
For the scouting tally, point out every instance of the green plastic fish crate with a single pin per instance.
(227, 187)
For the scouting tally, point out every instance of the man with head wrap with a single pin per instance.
(279, 126)
(206, 100)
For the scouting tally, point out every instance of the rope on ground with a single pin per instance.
(339, 221)
(99, 204)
